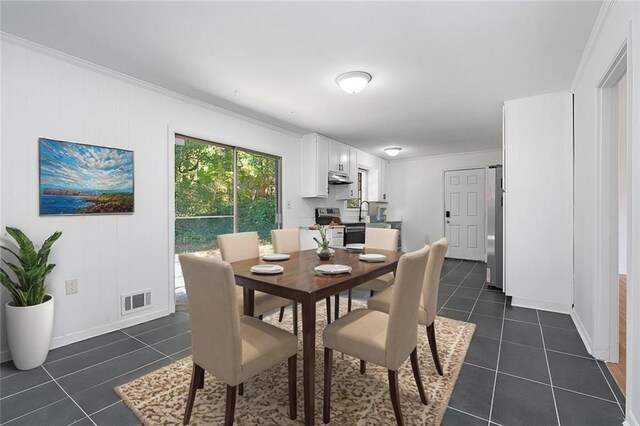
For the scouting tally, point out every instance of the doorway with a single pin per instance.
(464, 205)
(221, 189)
(619, 138)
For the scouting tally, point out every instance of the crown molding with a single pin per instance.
(453, 154)
(603, 14)
(90, 66)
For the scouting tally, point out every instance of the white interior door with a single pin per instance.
(464, 205)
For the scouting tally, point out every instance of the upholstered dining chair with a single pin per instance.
(378, 239)
(231, 347)
(383, 339)
(429, 300)
(242, 246)
(288, 241)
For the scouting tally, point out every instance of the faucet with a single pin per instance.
(360, 210)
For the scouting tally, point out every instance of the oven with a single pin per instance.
(354, 233)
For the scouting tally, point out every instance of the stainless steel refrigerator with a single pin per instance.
(495, 237)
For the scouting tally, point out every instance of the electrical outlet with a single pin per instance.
(71, 286)
(288, 204)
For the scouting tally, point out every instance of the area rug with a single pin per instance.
(159, 397)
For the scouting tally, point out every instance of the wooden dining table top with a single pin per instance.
(299, 279)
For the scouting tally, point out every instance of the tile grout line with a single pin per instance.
(151, 347)
(464, 412)
(100, 363)
(610, 388)
(33, 411)
(495, 378)
(544, 348)
(586, 394)
(108, 406)
(476, 302)
(25, 390)
(69, 396)
(450, 296)
(85, 351)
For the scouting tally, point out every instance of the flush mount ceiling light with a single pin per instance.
(353, 81)
(392, 151)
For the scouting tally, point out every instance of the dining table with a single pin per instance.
(300, 283)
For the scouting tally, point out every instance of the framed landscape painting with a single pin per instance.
(79, 179)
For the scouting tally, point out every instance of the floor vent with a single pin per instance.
(134, 302)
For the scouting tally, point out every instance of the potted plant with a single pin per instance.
(323, 246)
(30, 313)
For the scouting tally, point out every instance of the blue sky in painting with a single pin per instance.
(65, 165)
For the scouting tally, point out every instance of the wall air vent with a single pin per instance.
(133, 302)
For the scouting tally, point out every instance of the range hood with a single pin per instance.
(338, 179)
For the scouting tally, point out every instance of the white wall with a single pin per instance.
(623, 187)
(48, 95)
(614, 25)
(538, 183)
(416, 192)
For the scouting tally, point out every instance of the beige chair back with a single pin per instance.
(239, 246)
(402, 332)
(432, 278)
(285, 240)
(215, 325)
(381, 239)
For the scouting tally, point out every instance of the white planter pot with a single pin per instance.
(29, 331)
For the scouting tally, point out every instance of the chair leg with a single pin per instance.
(195, 379)
(260, 317)
(231, 406)
(372, 293)
(281, 314)
(201, 379)
(328, 299)
(349, 302)
(293, 395)
(336, 313)
(241, 389)
(394, 389)
(431, 335)
(416, 375)
(363, 367)
(326, 403)
(294, 307)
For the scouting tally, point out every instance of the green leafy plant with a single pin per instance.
(31, 270)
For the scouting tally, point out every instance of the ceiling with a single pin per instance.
(441, 70)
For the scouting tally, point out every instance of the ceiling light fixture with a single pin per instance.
(392, 151)
(353, 81)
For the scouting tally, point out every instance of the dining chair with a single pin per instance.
(242, 246)
(231, 347)
(378, 239)
(288, 241)
(383, 339)
(428, 301)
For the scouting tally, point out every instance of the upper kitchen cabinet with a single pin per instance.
(346, 192)
(314, 152)
(338, 157)
(378, 183)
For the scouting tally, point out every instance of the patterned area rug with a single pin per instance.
(159, 397)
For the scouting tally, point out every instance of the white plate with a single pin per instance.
(373, 257)
(276, 256)
(355, 247)
(332, 269)
(266, 269)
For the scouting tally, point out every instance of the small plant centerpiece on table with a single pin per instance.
(30, 313)
(323, 244)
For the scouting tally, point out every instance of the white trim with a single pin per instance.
(603, 14)
(455, 154)
(631, 419)
(141, 83)
(171, 225)
(96, 331)
(582, 331)
(543, 305)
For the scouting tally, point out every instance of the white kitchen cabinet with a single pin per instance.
(338, 157)
(378, 183)
(314, 150)
(346, 192)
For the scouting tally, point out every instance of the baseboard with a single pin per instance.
(631, 419)
(59, 341)
(582, 331)
(542, 305)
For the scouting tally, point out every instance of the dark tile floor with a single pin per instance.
(523, 367)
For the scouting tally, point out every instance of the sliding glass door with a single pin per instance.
(221, 189)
